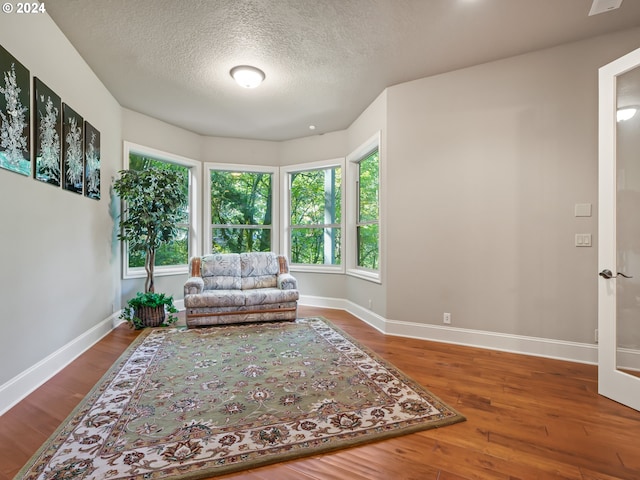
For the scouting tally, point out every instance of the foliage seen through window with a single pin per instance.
(368, 211)
(241, 205)
(177, 251)
(316, 203)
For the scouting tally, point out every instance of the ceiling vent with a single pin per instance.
(602, 6)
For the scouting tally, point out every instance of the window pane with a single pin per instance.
(316, 203)
(136, 257)
(240, 198)
(239, 240)
(368, 177)
(368, 246)
(316, 197)
(315, 246)
(177, 251)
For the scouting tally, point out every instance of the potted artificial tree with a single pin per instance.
(153, 205)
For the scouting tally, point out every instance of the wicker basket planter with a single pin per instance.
(151, 316)
(150, 310)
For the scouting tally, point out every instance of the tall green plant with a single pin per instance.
(154, 203)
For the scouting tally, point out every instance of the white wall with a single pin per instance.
(58, 265)
(485, 166)
(374, 119)
(239, 151)
(150, 132)
(313, 148)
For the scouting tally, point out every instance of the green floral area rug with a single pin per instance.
(203, 402)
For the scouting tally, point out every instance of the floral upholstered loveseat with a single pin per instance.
(239, 287)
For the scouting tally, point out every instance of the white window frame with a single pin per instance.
(353, 159)
(275, 188)
(285, 207)
(195, 169)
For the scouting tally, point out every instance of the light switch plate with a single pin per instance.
(583, 210)
(583, 239)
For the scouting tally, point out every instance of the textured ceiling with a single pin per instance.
(325, 60)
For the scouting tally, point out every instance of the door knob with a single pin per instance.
(606, 273)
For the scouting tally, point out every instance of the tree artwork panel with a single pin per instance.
(48, 120)
(72, 150)
(92, 161)
(14, 115)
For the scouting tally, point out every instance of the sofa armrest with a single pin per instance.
(194, 285)
(286, 281)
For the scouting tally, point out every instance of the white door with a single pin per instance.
(619, 231)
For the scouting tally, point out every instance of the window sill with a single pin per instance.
(332, 269)
(140, 272)
(367, 275)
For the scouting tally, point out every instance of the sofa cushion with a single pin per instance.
(222, 283)
(257, 264)
(221, 271)
(269, 295)
(216, 298)
(262, 281)
(259, 270)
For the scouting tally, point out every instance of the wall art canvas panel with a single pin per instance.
(15, 94)
(72, 150)
(91, 161)
(48, 132)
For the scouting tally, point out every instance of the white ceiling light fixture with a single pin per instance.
(247, 76)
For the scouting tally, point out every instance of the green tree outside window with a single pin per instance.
(241, 204)
(367, 224)
(316, 212)
(175, 252)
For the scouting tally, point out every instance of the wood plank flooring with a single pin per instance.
(527, 417)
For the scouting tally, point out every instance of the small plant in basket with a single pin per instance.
(150, 310)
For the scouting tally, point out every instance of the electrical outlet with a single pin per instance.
(596, 335)
(370, 304)
(446, 318)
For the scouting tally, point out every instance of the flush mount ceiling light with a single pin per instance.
(247, 76)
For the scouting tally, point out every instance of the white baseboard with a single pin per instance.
(26, 382)
(540, 347)
(23, 384)
(629, 359)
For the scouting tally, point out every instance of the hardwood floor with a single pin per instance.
(527, 417)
